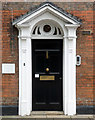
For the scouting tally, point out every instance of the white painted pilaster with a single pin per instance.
(70, 69)
(22, 77)
(25, 76)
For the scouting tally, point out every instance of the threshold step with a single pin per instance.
(47, 113)
(49, 117)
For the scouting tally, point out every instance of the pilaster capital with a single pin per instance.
(24, 37)
(20, 26)
(71, 31)
(73, 26)
(70, 37)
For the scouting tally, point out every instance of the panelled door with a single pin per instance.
(47, 75)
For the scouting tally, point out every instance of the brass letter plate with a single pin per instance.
(47, 77)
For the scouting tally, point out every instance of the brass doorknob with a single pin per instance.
(47, 69)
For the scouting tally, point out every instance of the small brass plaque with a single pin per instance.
(47, 77)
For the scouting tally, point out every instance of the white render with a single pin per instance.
(25, 27)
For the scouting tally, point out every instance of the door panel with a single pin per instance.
(47, 63)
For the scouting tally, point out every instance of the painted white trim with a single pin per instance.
(20, 78)
(38, 30)
(71, 68)
(25, 56)
(65, 75)
(43, 10)
(41, 37)
(29, 76)
(24, 37)
(36, 37)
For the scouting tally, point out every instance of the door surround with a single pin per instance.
(68, 27)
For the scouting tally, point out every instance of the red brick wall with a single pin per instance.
(0, 53)
(84, 48)
(10, 55)
(94, 53)
(85, 71)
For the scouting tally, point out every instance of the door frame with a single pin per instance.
(69, 27)
(69, 72)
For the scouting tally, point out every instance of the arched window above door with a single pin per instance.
(47, 29)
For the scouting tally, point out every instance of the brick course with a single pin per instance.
(85, 47)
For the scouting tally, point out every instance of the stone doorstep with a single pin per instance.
(50, 116)
(47, 113)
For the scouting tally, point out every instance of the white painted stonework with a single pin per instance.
(26, 26)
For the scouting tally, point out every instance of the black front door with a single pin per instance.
(47, 75)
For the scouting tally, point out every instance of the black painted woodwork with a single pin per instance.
(47, 94)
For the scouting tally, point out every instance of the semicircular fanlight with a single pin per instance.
(47, 29)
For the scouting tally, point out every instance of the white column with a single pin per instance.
(25, 77)
(70, 70)
(22, 77)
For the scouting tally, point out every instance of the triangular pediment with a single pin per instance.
(47, 7)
